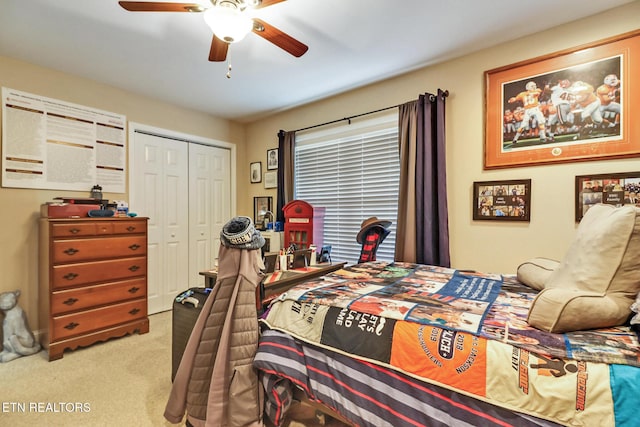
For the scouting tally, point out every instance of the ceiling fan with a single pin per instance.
(230, 21)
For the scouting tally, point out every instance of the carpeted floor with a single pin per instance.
(122, 382)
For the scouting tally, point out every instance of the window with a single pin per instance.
(353, 171)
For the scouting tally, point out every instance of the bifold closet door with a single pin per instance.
(209, 206)
(160, 191)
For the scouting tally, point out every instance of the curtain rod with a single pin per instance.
(444, 93)
(347, 118)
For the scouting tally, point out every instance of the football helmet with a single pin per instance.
(611, 80)
(580, 90)
(531, 86)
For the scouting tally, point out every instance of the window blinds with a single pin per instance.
(353, 171)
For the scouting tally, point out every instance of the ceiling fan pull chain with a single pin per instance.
(229, 64)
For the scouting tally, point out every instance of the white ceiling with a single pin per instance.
(351, 43)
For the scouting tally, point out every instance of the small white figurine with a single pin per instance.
(17, 338)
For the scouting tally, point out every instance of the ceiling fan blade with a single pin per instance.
(265, 3)
(280, 39)
(152, 6)
(218, 50)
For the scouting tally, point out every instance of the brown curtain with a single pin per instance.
(286, 158)
(422, 228)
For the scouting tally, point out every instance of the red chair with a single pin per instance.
(372, 233)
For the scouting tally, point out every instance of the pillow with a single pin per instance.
(535, 272)
(598, 279)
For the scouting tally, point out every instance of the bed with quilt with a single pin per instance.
(400, 344)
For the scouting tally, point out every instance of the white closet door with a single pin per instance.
(159, 191)
(209, 206)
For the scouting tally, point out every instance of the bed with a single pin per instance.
(399, 344)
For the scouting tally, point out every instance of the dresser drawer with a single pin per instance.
(129, 227)
(73, 229)
(104, 228)
(82, 298)
(79, 323)
(74, 250)
(72, 275)
(98, 228)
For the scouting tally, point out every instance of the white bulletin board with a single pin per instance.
(56, 145)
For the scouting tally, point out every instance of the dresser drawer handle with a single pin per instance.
(74, 230)
(134, 311)
(134, 247)
(71, 251)
(70, 276)
(72, 326)
(134, 290)
(131, 229)
(134, 268)
(70, 301)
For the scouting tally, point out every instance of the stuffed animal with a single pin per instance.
(17, 338)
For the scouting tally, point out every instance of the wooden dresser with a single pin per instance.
(93, 281)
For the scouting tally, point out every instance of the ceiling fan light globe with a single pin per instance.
(228, 24)
(204, 4)
(252, 3)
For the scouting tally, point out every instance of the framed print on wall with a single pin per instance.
(502, 200)
(573, 105)
(255, 170)
(612, 189)
(261, 205)
(272, 159)
(270, 180)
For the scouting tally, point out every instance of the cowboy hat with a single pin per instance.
(371, 222)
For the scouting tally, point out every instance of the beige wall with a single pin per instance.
(20, 208)
(481, 245)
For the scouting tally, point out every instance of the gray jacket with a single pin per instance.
(215, 383)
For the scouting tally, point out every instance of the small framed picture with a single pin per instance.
(272, 159)
(271, 179)
(256, 172)
(502, 200)
(615, 189)
(261, 205)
